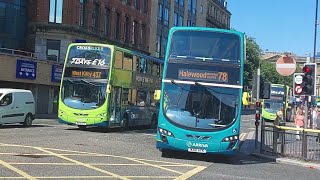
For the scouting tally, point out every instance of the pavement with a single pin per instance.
(249, 148)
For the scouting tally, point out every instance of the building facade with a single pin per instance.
(217, 14)
(169, 13)
(45, 28)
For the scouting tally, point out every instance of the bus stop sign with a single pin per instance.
(286, 66)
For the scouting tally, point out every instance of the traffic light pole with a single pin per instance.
(284, 100)
(258, 96)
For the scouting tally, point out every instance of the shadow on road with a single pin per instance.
(139, 129)
(7, 126)
(237, 159)
(248, 111)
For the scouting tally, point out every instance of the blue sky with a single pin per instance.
(277, 25)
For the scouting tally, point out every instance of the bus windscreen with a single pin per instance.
(207, 45)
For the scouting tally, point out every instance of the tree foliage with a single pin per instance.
(268, 69)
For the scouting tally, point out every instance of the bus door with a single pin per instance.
(116, 105)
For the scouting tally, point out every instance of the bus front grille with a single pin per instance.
(198, 137)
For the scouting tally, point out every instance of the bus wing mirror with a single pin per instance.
(108, 88)
(157, 95)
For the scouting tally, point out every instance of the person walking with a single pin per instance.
(299, 122)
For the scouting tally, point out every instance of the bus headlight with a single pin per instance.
(230, 138)
(165, 132)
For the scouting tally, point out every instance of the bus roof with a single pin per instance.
(122, 49)
(139, 54)
(196, 28)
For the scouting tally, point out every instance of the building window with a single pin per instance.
(189, 5)
(180, 22)
(107, 21)
(133, 32)
(181, 2)
(126, 29)
(142, 35)
(194, 6)
(160, 14)
(188, 23)
(158, 45)
(82, 13)
(163, 47)
(136, 32)
(53, 50)
(175, 20)
(144, 6)
(95, 16)
(166, 16)
(117, 27)
(136, 4)
(55, 13)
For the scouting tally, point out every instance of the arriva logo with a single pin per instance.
(191, 144)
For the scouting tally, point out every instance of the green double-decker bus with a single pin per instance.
(105, 85)
(271, 106)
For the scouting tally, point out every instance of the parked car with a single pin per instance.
(16, 106)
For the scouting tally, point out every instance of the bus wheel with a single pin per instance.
(82, 127)
(27, 121)
(154, 122)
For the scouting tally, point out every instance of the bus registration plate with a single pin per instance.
(197, 150)
(81, 123)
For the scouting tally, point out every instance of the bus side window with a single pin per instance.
(148, 66)
(141, 65)
(127, 62)
(155, 69)
(141, 100)
(118, 60)
(126, 96)
(134, 96)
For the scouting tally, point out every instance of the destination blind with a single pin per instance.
(90, 73)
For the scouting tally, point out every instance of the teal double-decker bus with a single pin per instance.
(200, 101)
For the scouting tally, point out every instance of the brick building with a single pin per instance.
(45, 28)
(169, 13)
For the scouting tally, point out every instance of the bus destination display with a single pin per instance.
(213, 76)
(86, 73)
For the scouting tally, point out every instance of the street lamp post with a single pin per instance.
(315, 33)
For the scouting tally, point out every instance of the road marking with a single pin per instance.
(81, 163)
(243, 136)
(191, 173)
(60, 153)
(22, 173)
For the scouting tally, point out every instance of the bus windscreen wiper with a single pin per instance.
(88, 82)
(218, 125)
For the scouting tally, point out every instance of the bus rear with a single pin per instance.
(201, 92)
(84, 85)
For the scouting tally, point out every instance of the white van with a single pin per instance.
(16, 106)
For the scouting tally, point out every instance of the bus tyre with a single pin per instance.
(154, 122)
(27, 121)
(82, 127)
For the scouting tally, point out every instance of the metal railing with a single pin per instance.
(17, 52)
(291, 142)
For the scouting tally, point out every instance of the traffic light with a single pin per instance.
(309, 79)
(265, 88)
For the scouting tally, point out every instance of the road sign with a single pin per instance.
(298, 79)
(298, 89)
(26, 69)
(297, 84)
(286, 66)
